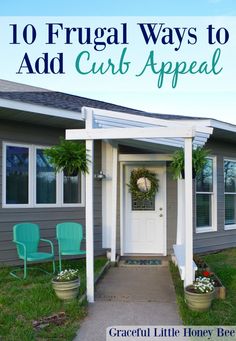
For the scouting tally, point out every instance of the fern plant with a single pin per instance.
(68, 156)
(199, 160)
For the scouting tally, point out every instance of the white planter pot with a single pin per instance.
(66, 290)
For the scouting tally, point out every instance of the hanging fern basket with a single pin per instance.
(143, 184)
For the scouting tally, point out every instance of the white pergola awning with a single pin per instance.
(132, 126)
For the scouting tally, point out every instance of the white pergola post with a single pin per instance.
(188, 278)
(114, 203)
(180, 212)
(89, 212)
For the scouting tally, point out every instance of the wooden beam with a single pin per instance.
(130, 133)
(188, 238)
(89, 213)
(114, 203)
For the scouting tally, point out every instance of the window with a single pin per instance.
(143, 205)
(17, 175)
(72, 189)
(230, 193)
(30, 181)
(45, 180)
(206, 214)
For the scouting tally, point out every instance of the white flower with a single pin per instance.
(203, 285)
(67, 275)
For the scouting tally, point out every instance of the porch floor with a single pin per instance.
(131, 296)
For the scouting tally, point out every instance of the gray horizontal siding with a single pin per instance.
(47, 218)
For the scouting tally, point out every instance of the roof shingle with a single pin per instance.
(34, 95)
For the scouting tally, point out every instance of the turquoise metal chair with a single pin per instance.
(26, 236)
(69, 237)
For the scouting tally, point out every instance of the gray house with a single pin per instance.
(119, 140)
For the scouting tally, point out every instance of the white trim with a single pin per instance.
(131, 133)
(32, 181)
(213, 227)
(232, 226)
(205, 229)
(179, 253)
(229, 159)
(3, 174)
(60, 186)
(114, 203)
(122, 164)
(180, 211)
(89, 217)
(41, 109)
(31, 174)
(145, 157)
(198, 123)
(165, 209)
(215, 195)
(188, 277)
(223, 125)
(89, 213)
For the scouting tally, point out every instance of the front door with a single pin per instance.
(144, 221)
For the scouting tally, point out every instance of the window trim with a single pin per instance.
(213, 226)
(32, 180)
(233, 226)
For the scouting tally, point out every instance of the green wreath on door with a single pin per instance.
(143, 184)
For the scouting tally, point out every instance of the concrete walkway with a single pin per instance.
(130, 295)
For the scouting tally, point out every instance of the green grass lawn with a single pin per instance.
(222, 312)
(24, 301)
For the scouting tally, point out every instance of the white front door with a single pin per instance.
(144, 222)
